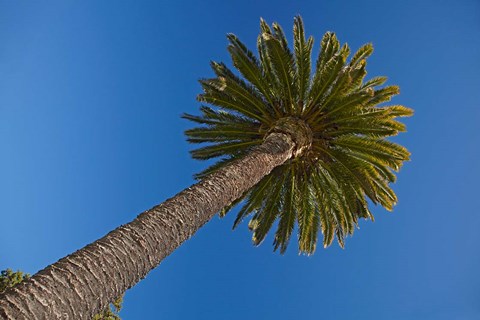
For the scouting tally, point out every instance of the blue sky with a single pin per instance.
(91, 95)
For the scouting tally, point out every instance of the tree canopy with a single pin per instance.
(344, 160)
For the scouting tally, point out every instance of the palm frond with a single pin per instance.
(303, 52)
(325, 78)
(288, 214)
(248, 65)
(363, 53)
(282, 64)
(266, 214)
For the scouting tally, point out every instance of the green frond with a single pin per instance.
(240, 90)
(354, 171)
(283, 67)
(398, 111)
(254, 199)
(280, 35)
(380, 166)
(329, 46)
(217, 94)
(324, 78)
(225, 210)
(288, 214)
(377, 147)
(374, 82)
(383, 95)
(363, 53)
(308, 222)
(351, 103)
(339, 88)
(264, 27)
(357, 74)
(221, 133)
(212, 117)
(328, 186)
(341, 213)
(325, 207)
(268, 74)
(248, 65)
(303, 52)
(371, 132)
(266, 214)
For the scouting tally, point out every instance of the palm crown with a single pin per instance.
(344, 158)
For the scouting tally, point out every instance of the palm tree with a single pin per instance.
(306, 148)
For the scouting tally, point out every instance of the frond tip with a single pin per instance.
(348, 159)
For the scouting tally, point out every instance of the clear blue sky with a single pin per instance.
(91, 94)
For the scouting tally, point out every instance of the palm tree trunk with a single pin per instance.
(85, 282)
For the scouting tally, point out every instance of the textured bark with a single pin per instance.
(83, 283)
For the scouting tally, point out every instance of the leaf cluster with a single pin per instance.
(10, 278)
(350, 160)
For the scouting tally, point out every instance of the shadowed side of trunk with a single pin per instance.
(83, 283)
